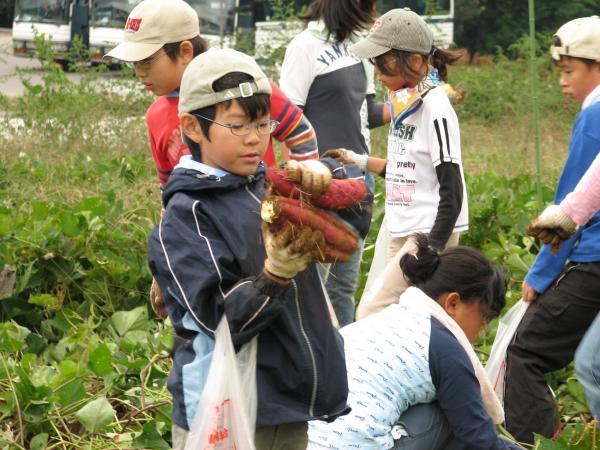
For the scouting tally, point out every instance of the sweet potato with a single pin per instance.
(336, 234)
(321, 250)
(341, 194)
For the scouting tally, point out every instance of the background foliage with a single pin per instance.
(484, 25)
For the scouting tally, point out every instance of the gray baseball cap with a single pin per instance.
(196, 89)
(400, 29)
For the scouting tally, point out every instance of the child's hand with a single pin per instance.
(552, 227)
(529, 294)
(289, 254)
(346, 156)
(313, 175)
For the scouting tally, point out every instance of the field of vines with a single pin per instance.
(83, 360)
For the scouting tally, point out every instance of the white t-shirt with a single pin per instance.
(424, 140)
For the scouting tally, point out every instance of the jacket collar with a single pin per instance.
(192, 181)
(593, 97)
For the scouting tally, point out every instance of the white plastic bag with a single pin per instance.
(496, 365)
(226, 413)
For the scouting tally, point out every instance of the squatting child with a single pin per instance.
(415, 381)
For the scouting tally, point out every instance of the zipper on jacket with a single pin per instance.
(251, 194)
(313, 397)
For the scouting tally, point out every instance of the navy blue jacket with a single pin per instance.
(207, 256)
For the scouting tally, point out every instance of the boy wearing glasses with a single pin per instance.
(210, 257)
(160, 39)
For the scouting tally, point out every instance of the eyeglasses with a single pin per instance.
(262, 127)
(145, 64)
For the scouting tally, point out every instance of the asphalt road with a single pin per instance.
(10, 83)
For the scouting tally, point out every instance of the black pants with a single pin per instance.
(546, 341)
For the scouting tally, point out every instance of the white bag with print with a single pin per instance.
(226, 413)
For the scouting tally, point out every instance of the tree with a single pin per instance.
(485, 25)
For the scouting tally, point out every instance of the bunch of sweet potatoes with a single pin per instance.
(288, 204)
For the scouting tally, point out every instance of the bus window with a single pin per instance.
(111, 13)
(421, 7)
(42, 11)
(217, 17)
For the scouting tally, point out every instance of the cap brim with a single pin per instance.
(133, 51)
(367, 49)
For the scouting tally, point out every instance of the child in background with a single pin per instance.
(161, 37)
(425, 187)
(563, 286)
(208, 258)
(336, 91)
(415, 381)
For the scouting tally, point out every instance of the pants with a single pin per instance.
(545, 341)
(289, 436)
(340, 280)
(422, 427)
(587, 366)
(392, 278)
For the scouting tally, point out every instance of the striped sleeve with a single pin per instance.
(294, 128)
(445, 145)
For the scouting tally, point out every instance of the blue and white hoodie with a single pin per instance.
(207, 256)
(398, 358)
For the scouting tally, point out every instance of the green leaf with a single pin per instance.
(39, 442)
(150, 438)
(12, 337)
(100, 360)
(46, 301)
(40, 210)
(68, 369)
(69, 225)
(96, 415)
(71, 392)
(124, 321)
(35, 343)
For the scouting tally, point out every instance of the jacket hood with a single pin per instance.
(191, 180)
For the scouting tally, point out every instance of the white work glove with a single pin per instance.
(287, 255)
(314, 176)
(552, 226)
(349, 157)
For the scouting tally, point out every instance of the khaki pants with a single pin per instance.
(392, 279)
(289, 436)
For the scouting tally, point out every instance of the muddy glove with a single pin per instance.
(313, 175)
(346, 156)
(552, 226)
(289, 254)
(157, 300)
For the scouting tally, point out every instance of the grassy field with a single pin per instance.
(81, 366)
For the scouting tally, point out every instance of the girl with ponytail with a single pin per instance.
(414, 379)
(424, 180)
